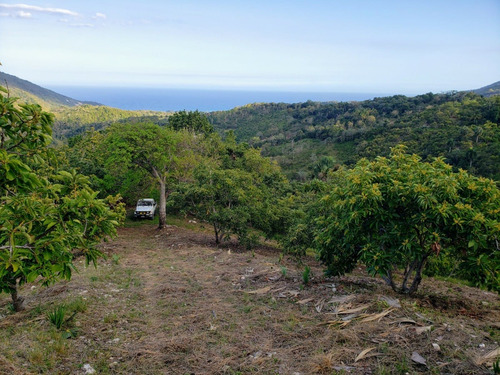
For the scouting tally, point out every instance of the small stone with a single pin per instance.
(436, 347)
(88, 369)
(417, 358)
(482, 346)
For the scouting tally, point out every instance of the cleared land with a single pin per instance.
(171, 302)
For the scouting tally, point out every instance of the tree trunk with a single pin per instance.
(216, 230)
(418, 275)
(17, 301)
(162, 211)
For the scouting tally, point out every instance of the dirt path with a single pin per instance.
(171, 302)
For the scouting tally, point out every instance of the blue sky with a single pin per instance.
(404, 46)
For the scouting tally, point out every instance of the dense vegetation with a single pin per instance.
(461, 127)
(403, 216)
(70, 122)
(396, 215)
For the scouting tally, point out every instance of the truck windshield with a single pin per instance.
(144, 203)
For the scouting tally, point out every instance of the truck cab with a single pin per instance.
(145, 209)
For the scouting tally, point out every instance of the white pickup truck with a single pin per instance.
(145, 209)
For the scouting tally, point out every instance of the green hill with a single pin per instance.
(72, 121)
(73, 116)
(462, 127)
(30, 93)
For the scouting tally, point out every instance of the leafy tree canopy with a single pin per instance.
(192, 121)
(235, 189)
(395, 213)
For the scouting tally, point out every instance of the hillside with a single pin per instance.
(459, 126)
(72, 116)
(30, 93)
(490, 90)
(462, 127)
(76, 120)
(172, 302)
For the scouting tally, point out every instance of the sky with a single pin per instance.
(383, 46)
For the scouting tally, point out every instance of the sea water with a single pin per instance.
(159, 99)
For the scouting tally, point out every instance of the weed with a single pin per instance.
(93, 279)
(10, 308)
(195, 286)
(110, 318)
(382, 370)
(384, 347)
(247, 309)
(70, 333)
(496, 367)
(306, 275)
(283, 270)
(381, 305)
(37, 310)
(115, 259)
(56, 316)
(402, 366)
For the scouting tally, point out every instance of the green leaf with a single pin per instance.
(31, 276)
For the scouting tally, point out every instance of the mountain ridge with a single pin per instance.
(490, 90)
(32, 93)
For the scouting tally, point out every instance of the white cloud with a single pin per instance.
(99, 15)
(23, 14)
(25, 8)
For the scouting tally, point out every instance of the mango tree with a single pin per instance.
(395, 213)
(238, 190)
(45, 214)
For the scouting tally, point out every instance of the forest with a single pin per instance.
(462, 127)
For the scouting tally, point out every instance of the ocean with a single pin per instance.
(159, 99)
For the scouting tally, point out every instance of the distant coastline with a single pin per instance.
(159, 99)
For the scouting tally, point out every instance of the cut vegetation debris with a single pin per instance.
(176, 303)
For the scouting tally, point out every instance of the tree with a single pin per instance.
(166, 155)
(397, 212)
(221, 197)
(192, 121)
(46, 214)
(235, 189)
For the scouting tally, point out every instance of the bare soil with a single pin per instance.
(171, 302)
